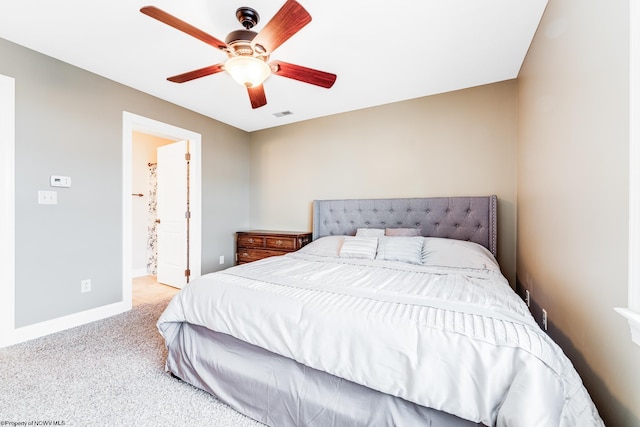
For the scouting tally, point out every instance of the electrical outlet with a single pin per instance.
(85, 285)
(527, 297)
(544, 319)
(221, 259)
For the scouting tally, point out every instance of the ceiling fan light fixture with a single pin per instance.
(247, 70)
(248, 52)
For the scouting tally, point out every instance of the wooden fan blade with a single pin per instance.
(303, 74)
(285, 23)
(196, 74)
(257, 96)
(179, 24)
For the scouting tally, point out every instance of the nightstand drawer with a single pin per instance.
(250, 255)
(283, 243)
(251, 241)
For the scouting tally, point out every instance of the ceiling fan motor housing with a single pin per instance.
(240, 41)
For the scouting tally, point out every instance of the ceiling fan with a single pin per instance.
(248, 51)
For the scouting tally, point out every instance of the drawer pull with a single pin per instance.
(245, 254)
(278, 242)
(250, 240)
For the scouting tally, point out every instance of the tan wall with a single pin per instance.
(573, 194)
(455, 144)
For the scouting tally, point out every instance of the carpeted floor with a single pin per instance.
(107, 373)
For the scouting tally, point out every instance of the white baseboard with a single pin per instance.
(41, 329)
(139, 272)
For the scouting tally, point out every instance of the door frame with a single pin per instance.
(632, 311)
(7, 211)
(133, 122)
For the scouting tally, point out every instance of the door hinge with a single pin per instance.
(187, 272)
(187, 156)
(187, 214)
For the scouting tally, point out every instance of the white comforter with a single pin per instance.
(457, 340)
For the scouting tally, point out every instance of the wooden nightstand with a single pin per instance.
(257, 244)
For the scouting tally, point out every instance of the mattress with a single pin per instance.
(444, 332)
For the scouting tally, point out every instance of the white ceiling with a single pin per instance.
(382, 51)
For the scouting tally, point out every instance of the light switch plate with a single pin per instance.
(47, 197)
(60, 181)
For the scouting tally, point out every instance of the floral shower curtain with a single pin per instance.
(152, 238)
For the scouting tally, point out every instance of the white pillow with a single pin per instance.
(406, 249)
(359, 247)
(370, 232)
(457, 253)
(324, 246)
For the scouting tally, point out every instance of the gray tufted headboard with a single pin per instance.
(462, 218)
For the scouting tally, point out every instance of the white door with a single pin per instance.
(173, 229)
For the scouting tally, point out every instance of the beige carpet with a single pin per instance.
(107, 373)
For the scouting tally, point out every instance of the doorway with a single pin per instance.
(144, 203)
(136, 125)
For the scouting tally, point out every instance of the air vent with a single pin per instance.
(283, 113)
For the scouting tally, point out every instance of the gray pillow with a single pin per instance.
(404, 232)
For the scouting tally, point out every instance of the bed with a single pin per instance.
(395, 314)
